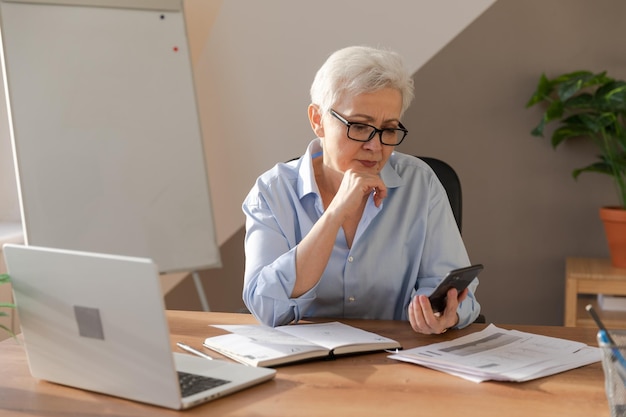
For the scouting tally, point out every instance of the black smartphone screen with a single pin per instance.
(457, 278)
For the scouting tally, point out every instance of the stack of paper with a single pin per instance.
(502, 355)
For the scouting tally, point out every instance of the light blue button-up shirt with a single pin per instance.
(402, 248)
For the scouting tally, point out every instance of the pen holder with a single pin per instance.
(614, 365)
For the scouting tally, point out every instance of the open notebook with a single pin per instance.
(259, 345)
(97, 322)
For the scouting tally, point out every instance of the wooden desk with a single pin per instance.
(585, 278)
(362, 385)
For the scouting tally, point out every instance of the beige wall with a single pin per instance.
(222, 286)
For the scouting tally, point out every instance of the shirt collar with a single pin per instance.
(390, 175)
(306, 176)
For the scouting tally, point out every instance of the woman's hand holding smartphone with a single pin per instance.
(457, 278)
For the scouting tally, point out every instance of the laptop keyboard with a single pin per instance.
(192, 384)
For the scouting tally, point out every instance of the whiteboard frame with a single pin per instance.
(170, 5)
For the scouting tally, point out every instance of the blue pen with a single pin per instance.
(616, 355)
(603, 340)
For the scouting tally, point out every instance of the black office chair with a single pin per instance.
(450, 181)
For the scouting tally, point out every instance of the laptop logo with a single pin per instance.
(89, 323)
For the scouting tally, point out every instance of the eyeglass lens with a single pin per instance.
(364, 133)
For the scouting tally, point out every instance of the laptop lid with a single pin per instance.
(97, 322)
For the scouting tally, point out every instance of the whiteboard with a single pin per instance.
(105, 129)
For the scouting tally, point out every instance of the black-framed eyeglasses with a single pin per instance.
(362, 132)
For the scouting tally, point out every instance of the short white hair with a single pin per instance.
(360, 69)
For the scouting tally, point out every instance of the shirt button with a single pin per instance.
(350, 259)
(351, 299)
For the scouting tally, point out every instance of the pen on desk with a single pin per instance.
(194, 351)
(599, 323)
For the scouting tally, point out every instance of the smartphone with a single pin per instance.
(457, 278)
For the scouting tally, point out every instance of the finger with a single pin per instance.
(363, 184)
(450, 317)
(414, 316)
(411, 316)
(432, 323)
(381, 189)
(452, 302)
(430, 319)
(463, 295)
(452, 297)
(380, 193)
(378, 199)
(420, 325)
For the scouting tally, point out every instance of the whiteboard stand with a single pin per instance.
(200, 289)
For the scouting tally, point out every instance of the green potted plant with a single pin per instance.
(591, 106)
(4, 278)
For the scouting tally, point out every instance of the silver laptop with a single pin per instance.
(97, 322)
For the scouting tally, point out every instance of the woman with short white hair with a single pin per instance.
(353, 229)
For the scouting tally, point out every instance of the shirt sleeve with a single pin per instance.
(270, 271)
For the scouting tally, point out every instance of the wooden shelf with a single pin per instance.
(585, 278)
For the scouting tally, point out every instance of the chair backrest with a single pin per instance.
(450, 181)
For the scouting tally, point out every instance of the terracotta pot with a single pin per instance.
(614, 219)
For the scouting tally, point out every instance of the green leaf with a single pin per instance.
(4, 278)
(544, 89)
(572, 83)
(568, 132)
(597, 167)
(582, 101)
(612, 97)
(7, 305)
(554, 111)
(569, 88)
(574, 75)
(538, 130)
(598, 122)
(6, 329)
